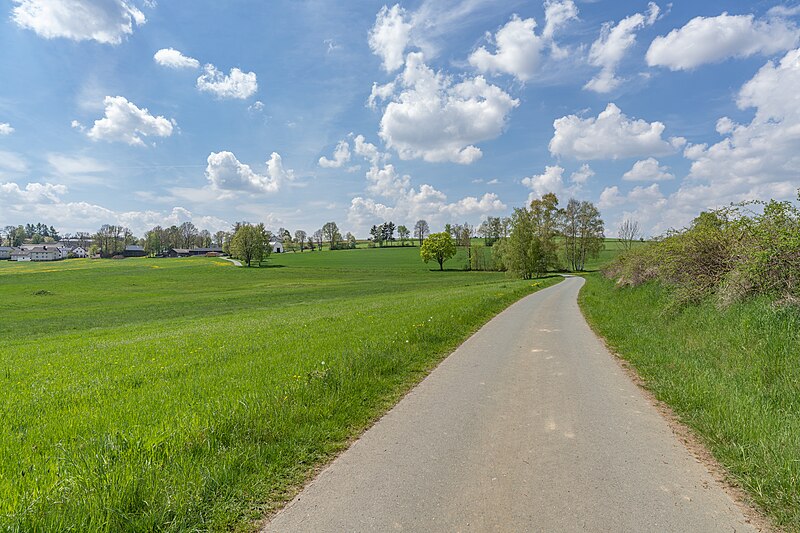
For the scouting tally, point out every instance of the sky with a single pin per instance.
(299, 112)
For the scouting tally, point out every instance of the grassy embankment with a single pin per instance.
(732, 375)
(186, 394)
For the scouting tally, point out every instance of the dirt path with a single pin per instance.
(529, 426)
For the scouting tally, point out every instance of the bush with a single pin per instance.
(747, 249)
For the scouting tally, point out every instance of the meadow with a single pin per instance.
(732, 375)
(188, 394)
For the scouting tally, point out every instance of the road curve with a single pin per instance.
(530, 425)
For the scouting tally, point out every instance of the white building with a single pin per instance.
(46, 253)
(78, 251)
(277, 246)
(5, 252)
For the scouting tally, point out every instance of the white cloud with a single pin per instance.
(518, 50)
(552, 180)
(236, 84)
(390, 35)
(556, 15)
(11, 193)
(12, 162)
(171, 58)
(612, 135)
(437, 120)
(341, 155)
(74, 169)
(6, 129)
(225, 172)
(713, 39)
(582, 175)
(761, 158)
(614, 41)
(103, 21)
(386, 181)
(380, 93)
(426, 203)
(125, 122)
(368, 150)
(648, 170)
(256, 107)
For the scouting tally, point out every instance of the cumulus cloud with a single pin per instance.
(648, 170)
(171, 58)
(367, 150)
(236, 84)
(552, 180)
(612, 135)
(437, 120)
(6, 129)
(32, 193)
(713, 39)
(125, 122)
(517, 47)
(225, 172)
(760, 158)
(390, 35)
(103, 21)
(385, 181)
(614, 41)
(517, 53)
(424, 203)
(341, 155)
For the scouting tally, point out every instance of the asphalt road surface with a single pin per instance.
(530, 425)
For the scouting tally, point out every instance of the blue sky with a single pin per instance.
(296, 113)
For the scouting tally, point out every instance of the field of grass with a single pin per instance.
(188, 394)
(732, 375)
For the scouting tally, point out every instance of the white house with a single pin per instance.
(78, 251)
(5, 252)
(277, 246)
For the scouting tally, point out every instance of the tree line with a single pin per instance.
(533, 241)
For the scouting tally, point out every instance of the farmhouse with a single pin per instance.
(5, 252)
(277, 246)
(79, 251)
(20, 255)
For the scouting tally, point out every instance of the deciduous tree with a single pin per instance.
(439, 247)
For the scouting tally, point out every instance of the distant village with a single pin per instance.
(39, 242)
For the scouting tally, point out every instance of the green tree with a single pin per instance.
(330, 232)
(403, 233)
(250, 243)
(438, 246)
(582, 229)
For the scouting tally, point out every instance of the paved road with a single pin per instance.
(529, 426)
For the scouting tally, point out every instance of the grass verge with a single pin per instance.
(731, 375)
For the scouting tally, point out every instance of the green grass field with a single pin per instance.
(188, 394)
(732, 375)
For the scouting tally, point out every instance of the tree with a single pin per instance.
(582, 229)
(318, 237)
(421, 229)
(188, 233)
(219, 238)
(251, 243)
(300, 238)
(438, 246)
(531, 248)
(628, 232)
(330, 232)
(403, 233)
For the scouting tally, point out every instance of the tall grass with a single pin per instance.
(187, 394)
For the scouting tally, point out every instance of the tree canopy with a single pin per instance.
(439, 247)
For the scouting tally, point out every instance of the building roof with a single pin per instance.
(134, 248)
(205, 250)
(180, 250)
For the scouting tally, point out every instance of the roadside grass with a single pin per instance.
(732, 375)
(188, 394)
